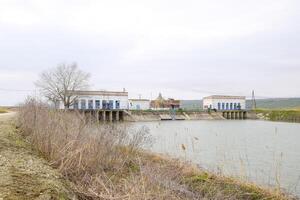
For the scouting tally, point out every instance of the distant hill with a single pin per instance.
(191, 104)
(275, 103)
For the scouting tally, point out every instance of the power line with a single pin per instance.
(16, 90)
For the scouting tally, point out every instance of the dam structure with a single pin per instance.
(231, 107)
(99, 105)
(112, 106)
(240, 114)
(104, 115)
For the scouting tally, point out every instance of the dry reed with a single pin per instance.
(106, 161)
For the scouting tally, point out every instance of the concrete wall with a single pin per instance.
(158, 116)
(214, 103)
(123, 100)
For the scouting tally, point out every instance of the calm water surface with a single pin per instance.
(265, 152)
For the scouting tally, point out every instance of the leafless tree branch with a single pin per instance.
(59, 83)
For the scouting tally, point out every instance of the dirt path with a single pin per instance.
(7, 116)
(23, 174)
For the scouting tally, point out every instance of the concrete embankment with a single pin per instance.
(252, 115)
(166, 115)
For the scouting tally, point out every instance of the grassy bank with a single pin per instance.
(107, 161)
(291, 115)
(23, 173)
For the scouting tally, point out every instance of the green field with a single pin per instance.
(289, 115)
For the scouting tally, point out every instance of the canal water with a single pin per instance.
(267, 153)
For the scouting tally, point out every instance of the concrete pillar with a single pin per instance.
(121, 115)
(236, 115)
(104, 115)
(117, 116)
(97, 115)
(229, 115)
(110, 116)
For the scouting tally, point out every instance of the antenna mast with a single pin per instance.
(253, 101)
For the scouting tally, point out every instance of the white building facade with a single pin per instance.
(105, 100)
(219, 102)
(139, 104)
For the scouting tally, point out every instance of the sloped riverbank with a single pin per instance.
(90, 167)
(24, 174)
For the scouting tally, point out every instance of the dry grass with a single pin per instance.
(23, 173)
(105, 161)
(3, 110)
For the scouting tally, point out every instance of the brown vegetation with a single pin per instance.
(23, 173)
(106, 161)
(3, 110)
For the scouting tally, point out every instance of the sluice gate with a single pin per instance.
(105, 115)
(234, 114)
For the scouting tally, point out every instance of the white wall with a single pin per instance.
(207, 103)
(139, 105)
(122, 99)
(214, 103)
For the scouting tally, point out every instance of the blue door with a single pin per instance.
(83, 104)
(97, 104)
(117, 104)
(111, 104)
(104, 104)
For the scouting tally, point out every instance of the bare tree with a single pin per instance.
(59, 83)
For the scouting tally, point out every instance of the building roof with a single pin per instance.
(99, 93)
(224, 97)
(138, 99)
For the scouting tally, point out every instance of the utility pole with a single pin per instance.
(253, 101)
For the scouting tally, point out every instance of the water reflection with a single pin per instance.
(264, 152)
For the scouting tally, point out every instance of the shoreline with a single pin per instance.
(140, 116)
(188, 180)
(291, 116)
(196, 181)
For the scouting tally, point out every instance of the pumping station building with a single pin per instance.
(101, 105)
(220, 103)
(232, 107)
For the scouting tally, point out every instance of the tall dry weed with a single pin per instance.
(96, 157)
(106, 161)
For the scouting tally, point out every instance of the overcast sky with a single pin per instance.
(184, 49)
